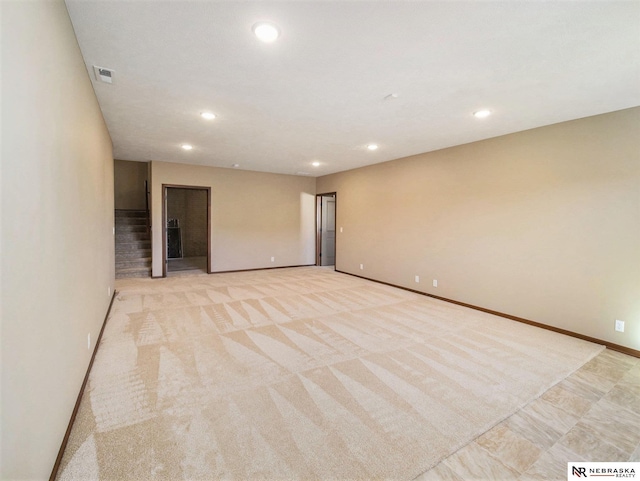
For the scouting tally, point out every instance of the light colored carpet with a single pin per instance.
(187, 263)
(299, 373)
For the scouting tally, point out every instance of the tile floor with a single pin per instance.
(593, 415)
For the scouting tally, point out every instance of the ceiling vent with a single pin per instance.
(103, 74)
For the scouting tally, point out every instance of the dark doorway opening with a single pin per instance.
(186, 229)
(326, 229)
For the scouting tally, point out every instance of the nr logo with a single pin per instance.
(579, 472)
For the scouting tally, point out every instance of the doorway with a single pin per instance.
(326, 229)
(186, 230)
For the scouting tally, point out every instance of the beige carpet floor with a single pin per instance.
(299, 373)
(187, 264)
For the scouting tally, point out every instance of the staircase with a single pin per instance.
(133, 244)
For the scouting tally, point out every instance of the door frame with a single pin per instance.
(319, 228)
(165, 187)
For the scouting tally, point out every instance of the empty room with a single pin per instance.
(315, 240)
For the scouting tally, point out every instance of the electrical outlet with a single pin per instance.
(435, 283)
(341, 229)
(619, 325)
(417, 278)
(108, 291)
(361, 266)
(273, 259)
(89, 341)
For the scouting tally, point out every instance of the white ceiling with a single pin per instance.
(317, 93)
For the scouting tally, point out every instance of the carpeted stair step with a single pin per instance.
(132, 254)
(131, 213)
(133, 245)
(131, 221)
(137, 262)
(124, 228)
(133, 272)
(131, 237)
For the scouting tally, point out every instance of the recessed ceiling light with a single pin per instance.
(187, 146)
(482, 114)
(372, 146)
(315, 164)
(265, 31)
(208, 115)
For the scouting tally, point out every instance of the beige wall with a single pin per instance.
(57, 241)
(254, 216)
(129, 179)
(542, 224)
